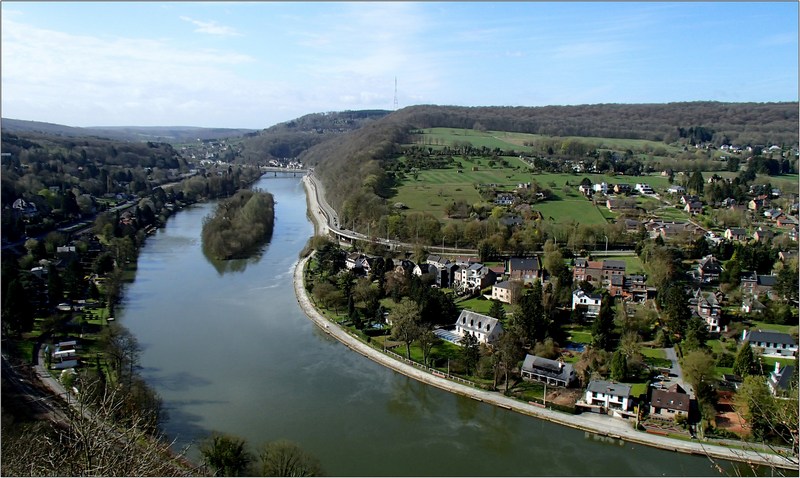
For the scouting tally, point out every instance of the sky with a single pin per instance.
(256, 64)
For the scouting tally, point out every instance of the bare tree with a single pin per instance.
(87, 442)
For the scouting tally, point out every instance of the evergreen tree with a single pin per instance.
(745, 362)
(696, 183)
(676, 313)
(696, 334)
(497, 311)
(470, 351)
(619, 366)
(603, 325)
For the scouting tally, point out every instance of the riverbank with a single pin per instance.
(591, 423)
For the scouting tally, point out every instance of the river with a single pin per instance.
(229, 350)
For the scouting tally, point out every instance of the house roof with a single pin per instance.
(503, 285)
(474, 321)
(433, 258)
(738, 231)
(753, 304)
(675, 399)
(784, 378)
(512, 220)
(611, 388)
(578, 293)
(525, 264)
(709, 264)
(612, 264)
(770, 336)
(547, 367)
(767, 281)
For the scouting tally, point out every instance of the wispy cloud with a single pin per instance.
(211, 28)
(87, 76)
(780, 39)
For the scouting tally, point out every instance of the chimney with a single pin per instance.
(777, 368)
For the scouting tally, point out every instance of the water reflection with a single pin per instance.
(228, 266)
(411, 400)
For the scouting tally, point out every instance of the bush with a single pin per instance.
(371, 332)
(725, 360)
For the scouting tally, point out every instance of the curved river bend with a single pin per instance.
(228, 349)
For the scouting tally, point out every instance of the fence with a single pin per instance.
(432, 370)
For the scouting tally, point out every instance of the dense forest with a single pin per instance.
(291, 138)
(731, 123)
(239, 225)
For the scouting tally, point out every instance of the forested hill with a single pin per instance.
(291, 138)
(352, 165)
(164, 134)
(728, 123)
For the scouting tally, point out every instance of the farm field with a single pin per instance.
(509, 140)
(567, 210)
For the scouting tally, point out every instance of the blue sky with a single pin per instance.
(256, 64)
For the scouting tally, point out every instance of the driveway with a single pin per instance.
(675, 372)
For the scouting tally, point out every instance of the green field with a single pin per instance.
(434, 189)
(566, 210)
(431, 190)
(508, 140)
(633, 265)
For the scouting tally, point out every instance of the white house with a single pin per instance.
(477, 276)
(780, 379)
(551, 372)
(644, 188)
(601, 187)
(590, 303)
(676, 189)
(771, 343)
(609, 395)
(486, 329)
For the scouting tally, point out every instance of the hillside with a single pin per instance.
(291, 138)
(353, 167)
(164, 134)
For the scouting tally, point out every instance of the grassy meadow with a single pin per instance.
(432, 190)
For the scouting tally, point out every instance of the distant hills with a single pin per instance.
(163, 134)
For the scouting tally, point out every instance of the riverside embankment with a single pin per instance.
(593, 423)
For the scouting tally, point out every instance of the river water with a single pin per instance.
(228, 349)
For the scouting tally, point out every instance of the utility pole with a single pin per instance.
(395, 93)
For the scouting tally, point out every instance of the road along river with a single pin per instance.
(229, 348)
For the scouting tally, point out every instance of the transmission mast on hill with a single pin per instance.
(395, 93)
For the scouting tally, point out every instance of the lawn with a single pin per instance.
(633, 265)
(656, 358)
(480, 305)
(787, 329)
(566, 210)
(579, 334)
(671, 214)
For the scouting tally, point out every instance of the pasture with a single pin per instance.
(568, 210)
(506, 140)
